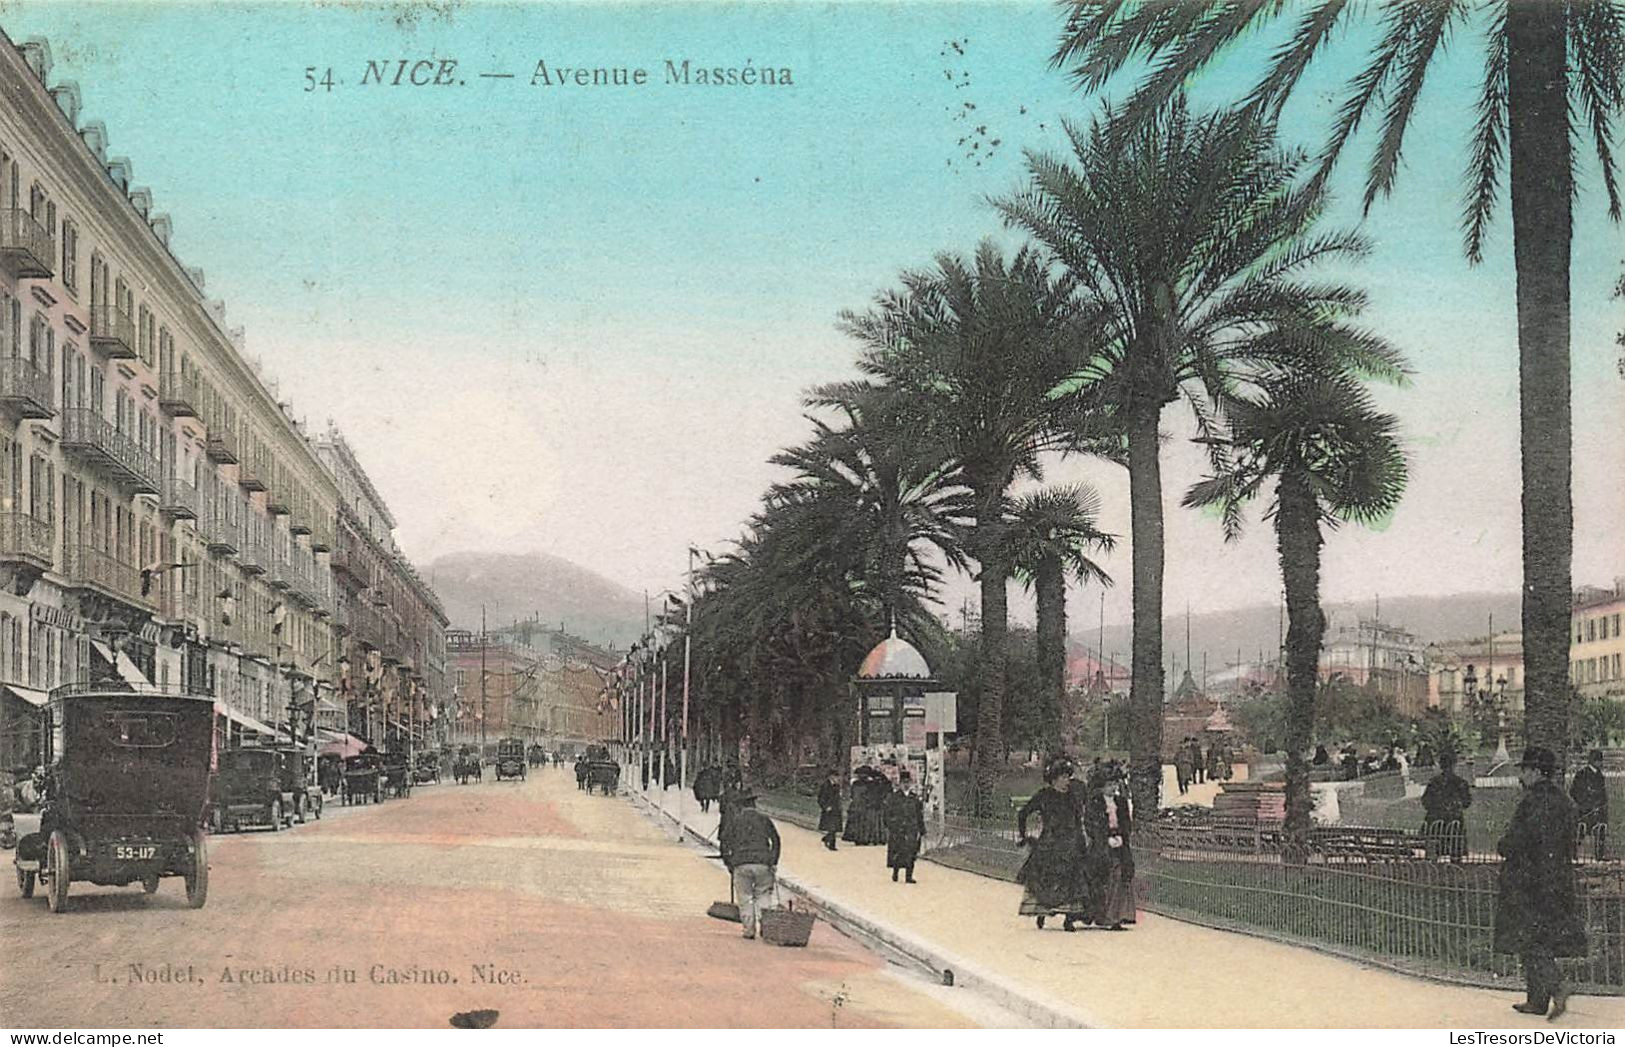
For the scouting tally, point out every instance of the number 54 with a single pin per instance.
(311, 83)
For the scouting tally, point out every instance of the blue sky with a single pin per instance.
(578, 320)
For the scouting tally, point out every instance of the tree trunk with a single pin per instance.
(1146, 684)
(1298, 540)
(991, 553)
(1542, 182)
(1049, 585)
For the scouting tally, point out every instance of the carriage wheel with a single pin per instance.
(276, 815)
(25, 882)
(56, 860)
(197, 881)
(299, 810)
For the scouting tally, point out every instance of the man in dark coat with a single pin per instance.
(750, 850)
(1444, 805)
(829, 808)
(905, 828)
(1590, 795)
(1537, 914)
(708, 786)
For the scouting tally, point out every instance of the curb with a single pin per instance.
(945, 967)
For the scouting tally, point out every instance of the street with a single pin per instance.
(529, 898)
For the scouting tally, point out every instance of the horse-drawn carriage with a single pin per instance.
(602, 770)
(299, 779)
(467, 767)
(536, 756)
(126, 785)
(397, 773)
(363, 778)
(427, 769)
(511, 759)
(330, 773)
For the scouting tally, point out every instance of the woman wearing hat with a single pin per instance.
(1109, 866)
(1537, 913)
(1052, 876)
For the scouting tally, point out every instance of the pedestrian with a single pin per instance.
(1321, 757)
(1537, 914)
(708, 786)
(905, 828)
(1052, 876)
(581, 772)
(829, 807)
(1182, 767)
(750, 850)
(1590, 795)
(1444, 803)
(1109, 866)
(866, 816)
(1198, 764)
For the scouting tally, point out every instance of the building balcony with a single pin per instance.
(91, 568)
(222, 535)
(24, 539)
(25, 390)
(221, 446)
(341, 618)
(178, 396)
(299, 525)
(112, 332)
(104, 447)
(253, 556)
(251, 474)
(177, 605)
(280, 574)
(179, 500)
(26, 249)
(276, 503)
(321, 539)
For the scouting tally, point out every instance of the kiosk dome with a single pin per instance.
(894, 658)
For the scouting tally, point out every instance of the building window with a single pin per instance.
(1616, 626)
(1616, 666)
(70, 256)
(1591, 629)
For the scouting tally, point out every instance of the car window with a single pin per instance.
(140, 729)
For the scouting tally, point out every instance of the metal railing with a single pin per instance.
(25, 388)
(112, 331)
(221, 445)
(89, 566)
(25, 245)
(179, 499)
(87, 431)
(27, 538)
(178, 395)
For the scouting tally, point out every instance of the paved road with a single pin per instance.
(549, 906)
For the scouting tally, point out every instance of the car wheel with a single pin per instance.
(56, 859)
(25, 882)
(197, 881)
(149, 883)
(276, 815)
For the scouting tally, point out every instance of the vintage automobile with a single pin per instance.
(330, 773)
(253, 787)
(298, 775)
(397, 773)
(126, 784)
(602, 770)
(363, 778)
(467, 766)
(511, 759)
(427, 769)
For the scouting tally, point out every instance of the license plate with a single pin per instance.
(134, 852)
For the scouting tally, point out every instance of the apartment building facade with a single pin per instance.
(163, 520)
(1597, 655)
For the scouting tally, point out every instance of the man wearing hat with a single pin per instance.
(750, 850)
(1537, 913)
(1590, 794)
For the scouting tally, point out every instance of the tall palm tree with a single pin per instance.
(1332, 457)
(981, 347)
(1052, 534)
(1554, 76)
(1194, 238)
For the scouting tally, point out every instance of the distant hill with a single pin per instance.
(1250, 630)
(546, 587)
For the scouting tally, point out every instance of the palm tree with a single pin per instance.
(1192, 237)
(1554, 72)
(1333, 457)
(1052, 533)
(980, 348)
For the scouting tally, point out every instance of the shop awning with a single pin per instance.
(244, 720)
(28, 694)
(128, 672)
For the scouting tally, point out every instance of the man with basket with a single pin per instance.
(750, 849)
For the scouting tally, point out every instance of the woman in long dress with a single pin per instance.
(1052, 877)
(1108, 820)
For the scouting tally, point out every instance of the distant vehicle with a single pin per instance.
(125, 790)
(536, 756)
(467, 767)
(254, 787)
(511, 759)
(397, 773)
(602, 770)
(299, 778)
(363, 778)
(427, 769)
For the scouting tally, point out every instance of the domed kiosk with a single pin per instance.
(891, 686)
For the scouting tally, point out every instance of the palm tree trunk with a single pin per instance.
(1298, 541)
(1145, 685)
(1542, 182)
(990, 759)
(1049, 585)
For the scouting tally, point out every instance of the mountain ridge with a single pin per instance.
(540, 586)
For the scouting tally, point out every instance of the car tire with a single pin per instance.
(25, 882)
(276, 815)
(149, 883)
(197, 881)
(61, 866)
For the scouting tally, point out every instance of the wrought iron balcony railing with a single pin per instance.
(178, 395)
(26, 539)
(179, 500)
(25, 390)
(26, 249)
(112, 332)
(89, 567)
(100, 443)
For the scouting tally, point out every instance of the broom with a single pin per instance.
(728, 910)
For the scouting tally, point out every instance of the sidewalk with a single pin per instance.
(1161, 973)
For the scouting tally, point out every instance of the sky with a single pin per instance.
(578, 320)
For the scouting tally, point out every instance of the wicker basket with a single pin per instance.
(786, 926)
